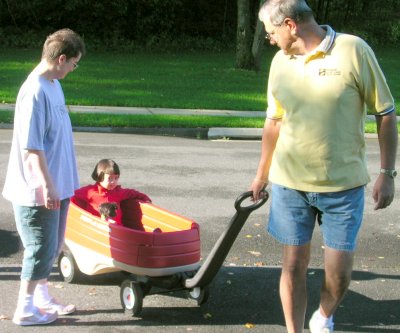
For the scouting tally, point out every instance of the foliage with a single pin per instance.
(176, 24)
(121, 24)
(376, 21)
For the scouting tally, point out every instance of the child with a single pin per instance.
(106, 189)
(108, 210)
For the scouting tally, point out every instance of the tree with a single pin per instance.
(248, 44)
(244, 36)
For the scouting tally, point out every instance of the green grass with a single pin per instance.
(161, 121)
(199, 81)
(193, 80)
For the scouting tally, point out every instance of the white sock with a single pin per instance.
(41, 296)
(322, 320)
(25, 305)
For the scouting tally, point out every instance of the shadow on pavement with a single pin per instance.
(239, 295)
(9, 243)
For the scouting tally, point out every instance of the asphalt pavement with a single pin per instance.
(200, 179)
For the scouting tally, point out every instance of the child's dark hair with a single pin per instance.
(105, 166)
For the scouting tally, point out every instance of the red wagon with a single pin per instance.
(158, 248)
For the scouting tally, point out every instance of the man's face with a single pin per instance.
(280, 35)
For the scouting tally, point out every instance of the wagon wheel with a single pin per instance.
(199, 294)
(131, 295)
(68, 268)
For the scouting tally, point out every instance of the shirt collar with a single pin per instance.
(325, 44)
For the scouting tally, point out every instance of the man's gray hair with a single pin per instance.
(277, 10)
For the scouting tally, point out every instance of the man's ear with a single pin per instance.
(291, 24)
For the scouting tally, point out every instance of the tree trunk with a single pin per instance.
(258, 42)
(244, 57)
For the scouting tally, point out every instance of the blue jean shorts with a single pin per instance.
(294, 213)
(42, 234)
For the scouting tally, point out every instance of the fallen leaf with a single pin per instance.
(259, 264)
(381, 257)
(207, 315)
(249, 236)
(249, 325)
(228, 282)
(255, 253)
(4, 317)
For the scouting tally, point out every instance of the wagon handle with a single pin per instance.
(252, 207)
(220, 250)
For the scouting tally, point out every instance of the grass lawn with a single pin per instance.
(192, 80)
(161, 121)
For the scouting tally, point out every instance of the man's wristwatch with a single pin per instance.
(389, 172)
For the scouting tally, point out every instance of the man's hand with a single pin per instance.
(383, 191)
(257, 186)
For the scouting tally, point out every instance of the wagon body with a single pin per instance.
(152, 242)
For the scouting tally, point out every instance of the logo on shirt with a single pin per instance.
(329, 72)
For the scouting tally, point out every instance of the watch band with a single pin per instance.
(389, 172)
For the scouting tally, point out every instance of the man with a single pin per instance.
(42, 175)
(313, 151)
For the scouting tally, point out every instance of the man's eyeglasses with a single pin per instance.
(269, 34)
(75, 65)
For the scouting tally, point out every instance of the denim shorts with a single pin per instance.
(293, 216)
(42, 234)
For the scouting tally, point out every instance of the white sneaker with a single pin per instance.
(37, 317)
(57, 307)
(316, 326)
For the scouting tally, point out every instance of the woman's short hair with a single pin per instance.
(64, 41)
(105, 166)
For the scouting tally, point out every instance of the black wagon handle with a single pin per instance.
(254, 206)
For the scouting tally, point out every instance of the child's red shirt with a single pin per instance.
(94, 195)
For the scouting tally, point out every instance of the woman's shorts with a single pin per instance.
(42, 234)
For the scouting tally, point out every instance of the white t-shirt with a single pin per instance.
(41, 122)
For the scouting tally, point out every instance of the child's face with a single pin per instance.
(110, 181)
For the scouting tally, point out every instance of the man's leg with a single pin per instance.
(338, 269)
(293, 288)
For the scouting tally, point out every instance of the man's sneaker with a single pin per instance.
(316, 327)
(37, 317)
(57, 307)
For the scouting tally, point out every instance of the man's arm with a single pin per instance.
(38, 162)
(269, 138)
(383, 191)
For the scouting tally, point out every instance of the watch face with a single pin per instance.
(390, 173)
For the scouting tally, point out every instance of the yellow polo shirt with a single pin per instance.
(321, 99)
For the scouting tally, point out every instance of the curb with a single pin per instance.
(213, 133)
(194, 133)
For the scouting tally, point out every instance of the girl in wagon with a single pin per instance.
(106, 189)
